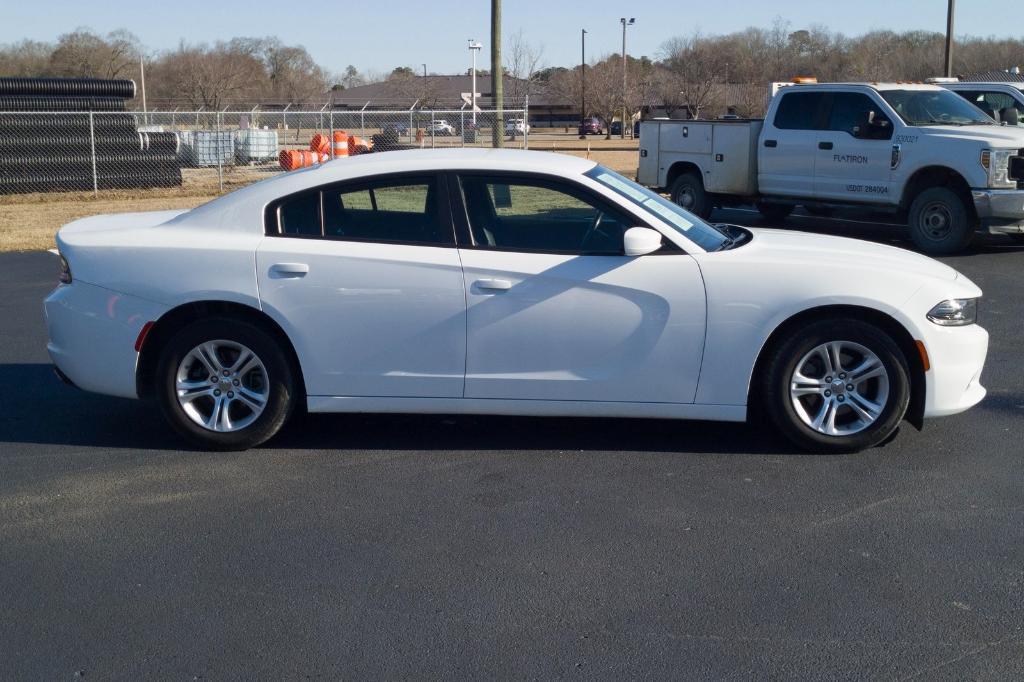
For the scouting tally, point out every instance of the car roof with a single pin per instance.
(871, 86)
(242, 210)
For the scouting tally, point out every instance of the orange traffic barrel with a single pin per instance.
(320, 143)
(340, 143)
(288, 159)
(357, 145)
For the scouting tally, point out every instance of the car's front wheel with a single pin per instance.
(225, 384)
(836, 385)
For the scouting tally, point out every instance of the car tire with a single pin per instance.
(688, 191)
(244, 407)
(774, 211)
(940, 223)
(815, 408)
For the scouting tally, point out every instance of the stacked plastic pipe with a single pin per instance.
(49, 144)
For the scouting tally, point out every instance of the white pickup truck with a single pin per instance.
(917, 151)
(1004, 102)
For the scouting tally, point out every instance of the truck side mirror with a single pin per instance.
(1010, 116)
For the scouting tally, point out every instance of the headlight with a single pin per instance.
(65, 271)
(997, 163)
(955, 312)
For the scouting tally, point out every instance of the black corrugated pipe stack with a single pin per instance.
(43, 149)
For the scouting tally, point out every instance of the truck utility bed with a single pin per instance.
(725, 149)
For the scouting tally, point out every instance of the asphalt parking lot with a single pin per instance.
(403, 546)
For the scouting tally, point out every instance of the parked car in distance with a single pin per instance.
(502, 282)
(516, 126)
(616, 128)
(591, 126)
(440, 127)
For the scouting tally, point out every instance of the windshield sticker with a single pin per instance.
(624, 187)
(668, 214)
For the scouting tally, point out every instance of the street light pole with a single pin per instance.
(474, 47)
(632, 20)
(583, 81)
(950, 11)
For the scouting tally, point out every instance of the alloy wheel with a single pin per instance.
(222, 386)
(839, 388)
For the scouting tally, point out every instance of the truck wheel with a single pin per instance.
(688, 192)
(939, 222)
(774, 211)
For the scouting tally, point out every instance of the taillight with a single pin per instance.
(65, 271)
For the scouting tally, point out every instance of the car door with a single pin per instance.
(365, 279)
(785, 159)
(854, 151)
(557, 312)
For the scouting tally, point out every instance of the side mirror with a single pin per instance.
(640, 241)
(1009, 116)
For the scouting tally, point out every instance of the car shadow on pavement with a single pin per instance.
(46, 411)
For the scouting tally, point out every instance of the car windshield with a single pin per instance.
(684, 222)
(934, 107)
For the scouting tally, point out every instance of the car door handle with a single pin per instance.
(493, 284)
(288, 270)
(824, 145)
(771, 143)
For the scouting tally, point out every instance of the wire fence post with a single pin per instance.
(526, 122)
(92, 143)
(220, 152)
(432, 126)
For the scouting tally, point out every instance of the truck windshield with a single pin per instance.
(684, 222)
(934, 107)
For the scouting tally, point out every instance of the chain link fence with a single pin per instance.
(93, 151)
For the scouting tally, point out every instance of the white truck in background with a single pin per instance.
(917, 151)
(1003, 102)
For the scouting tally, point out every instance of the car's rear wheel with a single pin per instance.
(225, 384)
(939, 222)
(836, 385)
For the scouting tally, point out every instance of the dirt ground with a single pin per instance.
(29, 222)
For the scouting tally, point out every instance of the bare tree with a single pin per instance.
(524, 66)
(84, 54)
(699, 67)
(25, 58)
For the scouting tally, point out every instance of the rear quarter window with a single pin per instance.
(798, 110)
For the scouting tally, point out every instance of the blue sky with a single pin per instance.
(379, 36)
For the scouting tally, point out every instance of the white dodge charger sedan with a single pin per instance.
(503, 282)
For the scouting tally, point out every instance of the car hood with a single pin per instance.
(821, 252)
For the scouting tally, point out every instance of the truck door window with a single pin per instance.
(799, 111)
(857, 114)
(992, 103)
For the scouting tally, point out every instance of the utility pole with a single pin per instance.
(142, 77)
(622, 129)
(949, 38)
(498, 129)
(583, 82)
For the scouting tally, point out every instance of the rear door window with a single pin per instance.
(799, 110)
